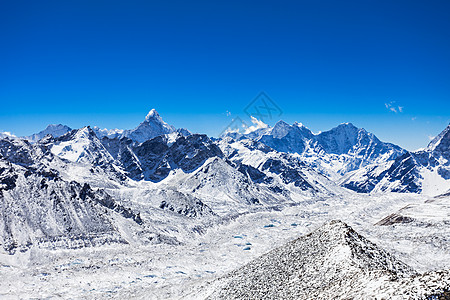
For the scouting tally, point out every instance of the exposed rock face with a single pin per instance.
(155, 158)
(37, 207)
(333, 153)
(426, 171)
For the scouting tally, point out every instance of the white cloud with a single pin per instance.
(7, 134)
(393, 107)
(258, 125)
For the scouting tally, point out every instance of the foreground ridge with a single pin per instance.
(334, 261)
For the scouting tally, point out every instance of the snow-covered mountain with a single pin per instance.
(202, 178)
(40, 207)
(333, 153)
(332, 262)
(155, 158)
(151, 127)
(55, 130)
(196, 178)
(426, 171)
(118, 193)
(282, 172)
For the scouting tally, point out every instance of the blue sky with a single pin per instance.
(200, 63)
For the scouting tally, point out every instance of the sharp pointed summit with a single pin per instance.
(152, 126)
(153, 114)
(442, 141)
(328, 263)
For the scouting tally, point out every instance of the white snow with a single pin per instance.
(433, 184)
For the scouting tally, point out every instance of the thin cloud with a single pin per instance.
(391, 106)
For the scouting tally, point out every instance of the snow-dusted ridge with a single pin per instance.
(424, 171)
(332, 262)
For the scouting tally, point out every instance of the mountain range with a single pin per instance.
(66, 188)
(271, 166)
(347, 155)
(334, 153)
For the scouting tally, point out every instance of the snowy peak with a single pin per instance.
(152, 126)
(340, 139)
(110, 133)
(280, 129)
(425, 171)
(329, 263)
(334, 153)
(441, 142)
(5, 134)
(153, 115)
(85, 132)
(81, 146)
(55, 130)
(297, 130)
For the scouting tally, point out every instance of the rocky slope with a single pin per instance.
(426, 171)
(333, 261)
(39, 208)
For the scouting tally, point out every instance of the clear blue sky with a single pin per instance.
(107, 63)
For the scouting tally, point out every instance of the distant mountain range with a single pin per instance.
(350, 156)
(334, 153)
(91, 175)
